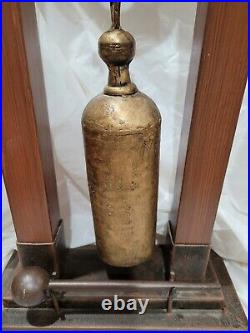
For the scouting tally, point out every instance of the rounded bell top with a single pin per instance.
(116, 47)
(122, 115)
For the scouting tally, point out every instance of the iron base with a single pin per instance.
(212, 310)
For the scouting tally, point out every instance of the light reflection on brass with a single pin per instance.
(122, 137)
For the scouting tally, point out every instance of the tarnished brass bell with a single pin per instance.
(121, 129)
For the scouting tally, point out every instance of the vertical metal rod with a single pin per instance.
(115, 14)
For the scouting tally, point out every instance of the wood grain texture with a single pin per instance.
(27, 153)
(198, 35)
(220, 87)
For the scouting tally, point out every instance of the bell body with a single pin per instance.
(122, 137)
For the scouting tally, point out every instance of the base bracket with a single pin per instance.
(215, 308)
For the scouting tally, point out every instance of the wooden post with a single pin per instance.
(211, 114)
(28, 166)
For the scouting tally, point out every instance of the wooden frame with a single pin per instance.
(217, 78)
(212, 116)
(216, 83)
(28, 166)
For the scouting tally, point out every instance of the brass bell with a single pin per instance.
(121, 129)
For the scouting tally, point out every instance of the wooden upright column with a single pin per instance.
(215, 89)
(28, 167)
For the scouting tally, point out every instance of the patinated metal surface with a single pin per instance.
(188, 262)
(45, 255)
(206, 308)
(29, 286)
(122, 135)
(83, 289)
(79, 287)
(117, 49)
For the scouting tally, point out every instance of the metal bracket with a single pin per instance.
(45, 255)
(211, 304)
(188, 262)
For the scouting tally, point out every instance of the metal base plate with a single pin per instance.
(83, 264)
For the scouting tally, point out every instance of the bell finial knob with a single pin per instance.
(117, 49)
